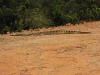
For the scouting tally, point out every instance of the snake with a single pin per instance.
(52, 32)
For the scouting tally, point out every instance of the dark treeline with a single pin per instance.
(16, 15)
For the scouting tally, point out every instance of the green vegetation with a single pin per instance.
(16, 15)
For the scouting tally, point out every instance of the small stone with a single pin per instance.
(68, 24)
(31, 30)
(22, 30)
(53, 27)
(8, 32)
(84, 22)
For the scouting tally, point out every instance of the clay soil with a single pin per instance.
(62, 54)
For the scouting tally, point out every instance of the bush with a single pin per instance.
(16, 15)
(36, 19)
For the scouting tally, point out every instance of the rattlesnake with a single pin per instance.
(53, 32)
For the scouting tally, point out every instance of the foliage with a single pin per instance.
(6, 29)
(16, 15)
(36, 19)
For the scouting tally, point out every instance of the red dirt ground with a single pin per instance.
(62, 54)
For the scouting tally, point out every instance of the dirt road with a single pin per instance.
(63, 54)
